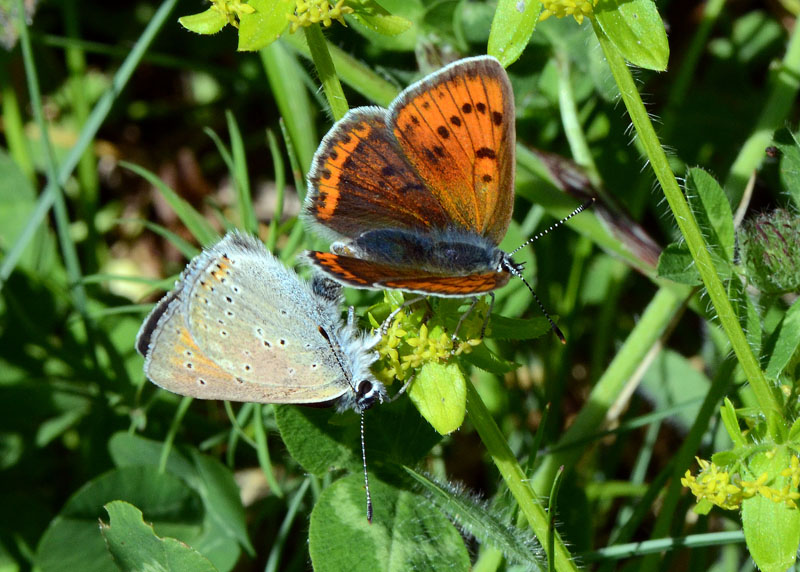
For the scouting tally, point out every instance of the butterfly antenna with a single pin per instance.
(515, 271)
(366, 476)
(581, 208)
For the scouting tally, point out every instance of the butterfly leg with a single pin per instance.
(461, 321)
(466, 314)
(390, 318)
(403, 389)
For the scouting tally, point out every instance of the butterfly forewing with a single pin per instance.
(456, 129)
(360, 181)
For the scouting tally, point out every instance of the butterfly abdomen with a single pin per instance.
(451, 252)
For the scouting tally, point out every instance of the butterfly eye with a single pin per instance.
(366, 395)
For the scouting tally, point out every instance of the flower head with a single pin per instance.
(727, 490)
(417, 337)
(578, 9)
(315, 11)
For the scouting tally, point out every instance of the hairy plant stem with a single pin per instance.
(688, 225)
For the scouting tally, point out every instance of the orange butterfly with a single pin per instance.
(418, 196)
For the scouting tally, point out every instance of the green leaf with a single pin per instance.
(134, 545)
(703, 507)
(407, 532)
(322, 439)
(287, 81)
(784, 342)
(512, 26)
(244, 199)
(382, 27)
(676, 263)
(208, 477)
(222, 499)
(129, 450)
(503, 328)
(377, 19)
(731, 422)
(207, 23)
(789, 147)
(746, 312)
(487, 360)
(728, 458)
(771, 529)
(319, 439)
(671, 380)
(712, 211)
(265, 25)
(440, 394)
(56, 426)
(794, 431)
(480, 521)
(636, 30)
(173, 508)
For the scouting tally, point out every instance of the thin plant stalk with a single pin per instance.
(515, 477)
(326, 70)
(687, 224)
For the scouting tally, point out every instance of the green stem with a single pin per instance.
(571, 122)
(514, 476)
(68, 250)
(262, 451)
(785, 81)
(285, 76)
(687, 224)
(240, 175)
(551, 513)
(326, 70)
(286, 526)
(13, 126)
(87, 167)
(296, 235)
(353, 72)
(183, 407)
(623, 551)
(280, 189)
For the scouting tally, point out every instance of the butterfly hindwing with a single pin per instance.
(361, 273)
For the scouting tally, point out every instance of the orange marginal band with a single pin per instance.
(363, 273)
(334, 163)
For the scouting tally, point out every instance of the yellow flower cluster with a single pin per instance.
(578, 9)
(315, 11)
(728, 491)
(232, 10)
(411, 342)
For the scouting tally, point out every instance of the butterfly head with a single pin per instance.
(368, 393)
